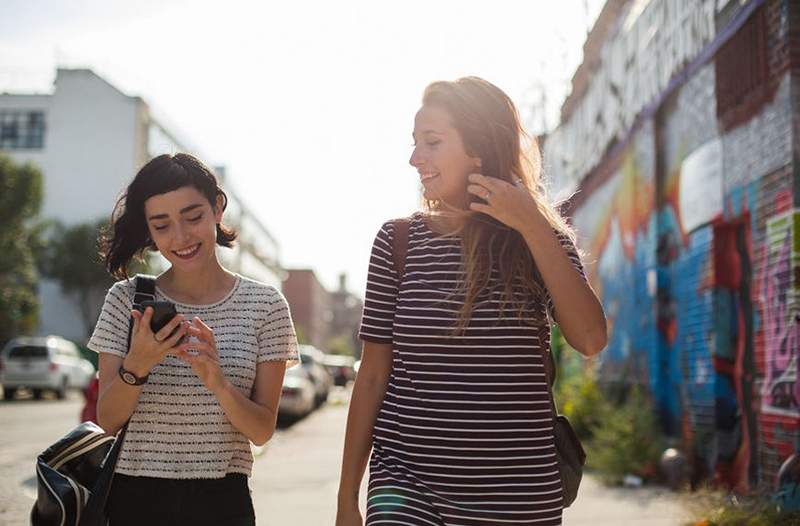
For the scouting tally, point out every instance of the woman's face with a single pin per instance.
(440, 158)
(183, 226)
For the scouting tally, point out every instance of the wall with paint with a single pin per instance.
(691, 224)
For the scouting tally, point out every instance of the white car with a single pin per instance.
(297, 395)
(43, 363)
(313, 361)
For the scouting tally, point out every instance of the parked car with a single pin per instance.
(312, 360)
(43, 363)
(297, 395)
(340, 368)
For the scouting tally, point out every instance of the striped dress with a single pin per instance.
(464, 435)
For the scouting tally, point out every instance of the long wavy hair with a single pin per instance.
(490, 129)
(128, 237)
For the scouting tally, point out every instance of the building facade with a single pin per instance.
(681, 144)
(89, 139)
(323, 318)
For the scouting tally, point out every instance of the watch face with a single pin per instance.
(129, 378)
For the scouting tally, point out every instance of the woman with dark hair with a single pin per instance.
(452, 395)
(199, 390)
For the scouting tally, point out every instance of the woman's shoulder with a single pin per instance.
(123, 289)
(258, 289)
(390, 225)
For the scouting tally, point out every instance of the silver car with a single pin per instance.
(297, 395)
(43, 363)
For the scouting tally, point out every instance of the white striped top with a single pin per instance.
(178, 429)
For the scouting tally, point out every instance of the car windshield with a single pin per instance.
(28, 351)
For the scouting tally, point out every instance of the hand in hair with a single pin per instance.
(512, 205)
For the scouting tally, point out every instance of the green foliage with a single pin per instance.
(717, 509)
(620, 438)
(20, 201)
(627, 440)
(71, 258)
(579, 398)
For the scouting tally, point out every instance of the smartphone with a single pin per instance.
(163, 312)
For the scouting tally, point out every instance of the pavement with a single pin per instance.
(295, 477)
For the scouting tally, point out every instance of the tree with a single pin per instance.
(71, 258)
(20, 202)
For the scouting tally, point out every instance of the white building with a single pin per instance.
(89, 139)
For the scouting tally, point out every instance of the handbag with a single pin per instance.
(74, 475)
(570, 454)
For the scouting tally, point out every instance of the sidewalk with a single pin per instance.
(598, 505)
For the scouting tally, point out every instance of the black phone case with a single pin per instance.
(163, 312)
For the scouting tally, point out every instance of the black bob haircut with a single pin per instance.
(128, 236)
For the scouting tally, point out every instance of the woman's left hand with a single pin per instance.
(205, 360)
(512, 205)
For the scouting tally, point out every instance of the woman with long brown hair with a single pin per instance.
(452, 396)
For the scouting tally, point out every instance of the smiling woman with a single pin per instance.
(194, 393)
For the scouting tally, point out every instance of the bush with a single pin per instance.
(716, 509)
(627, 440)
(580, 399)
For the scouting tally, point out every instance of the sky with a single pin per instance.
(308, 104)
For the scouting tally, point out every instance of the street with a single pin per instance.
(295, 476)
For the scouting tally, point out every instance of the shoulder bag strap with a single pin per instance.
(400, 245)
(94, 513)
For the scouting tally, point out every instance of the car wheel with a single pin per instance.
(37, 394)
(61, 392)
(9, 392)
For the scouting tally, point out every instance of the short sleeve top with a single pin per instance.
(179, 430)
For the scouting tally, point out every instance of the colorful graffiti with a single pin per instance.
(781, 316)
(702, 315)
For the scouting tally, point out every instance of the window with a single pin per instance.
(21, 130)
(28, 351)
(741, 68)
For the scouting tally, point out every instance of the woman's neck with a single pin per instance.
(204, 285)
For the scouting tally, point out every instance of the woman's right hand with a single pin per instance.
(148, 349)
(347, 514)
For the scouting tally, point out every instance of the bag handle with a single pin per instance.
(400, 245)
(94, 512)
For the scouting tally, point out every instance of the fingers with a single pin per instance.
(174, 340)
(146, 317)
(480, 191)
(137, 316)
(493, 184)
(480, 207)
(167, 329)
(202, 348)
(205, 330)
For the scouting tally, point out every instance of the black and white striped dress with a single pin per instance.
(464, 434)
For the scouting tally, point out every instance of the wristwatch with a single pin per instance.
(130, 378)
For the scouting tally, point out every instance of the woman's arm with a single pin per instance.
(117, 400)
(255, 418)
(580, 314)
(368, 393)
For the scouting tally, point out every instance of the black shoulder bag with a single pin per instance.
(74, 475)
(570, 454)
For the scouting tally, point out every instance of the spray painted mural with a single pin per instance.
(781, 316)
